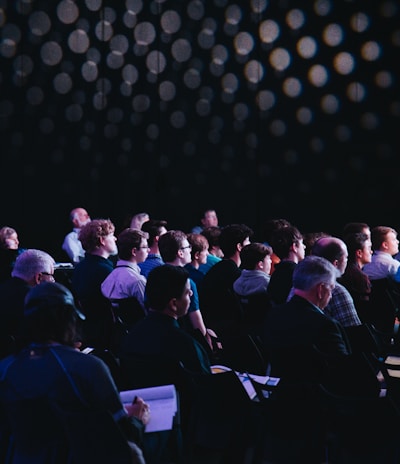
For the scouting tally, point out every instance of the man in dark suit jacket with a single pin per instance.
(300, 324)
(292, 331)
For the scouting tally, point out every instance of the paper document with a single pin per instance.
(163, 405)
(245, 379)
(395, 361)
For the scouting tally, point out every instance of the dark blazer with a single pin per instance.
(291, 331)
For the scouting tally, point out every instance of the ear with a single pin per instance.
(38, 278)
(359, 253)
(319, 291)
(197, 255)
(260, 265)
(172, 306)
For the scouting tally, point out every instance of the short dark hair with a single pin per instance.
(169, 244)
(252, 254)
(129, 239)
(231, 235)
(212, 234)
(164, 283)
(355, 242)
(283, 238)
(153, 228)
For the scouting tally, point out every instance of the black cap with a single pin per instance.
(50, 295)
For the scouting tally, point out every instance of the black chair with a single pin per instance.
(384, 305)
(244, 353)
(353, 374)
(222, 417)
(359, 429)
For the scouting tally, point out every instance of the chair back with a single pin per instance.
(384, 304)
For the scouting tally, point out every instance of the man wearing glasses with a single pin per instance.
(31, 268)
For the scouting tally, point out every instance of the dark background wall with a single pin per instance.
(258, 108)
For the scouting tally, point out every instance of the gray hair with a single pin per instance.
(31, 262)
(313, 270)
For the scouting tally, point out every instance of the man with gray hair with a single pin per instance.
(292, 331)
(31, 268)
(341, 306)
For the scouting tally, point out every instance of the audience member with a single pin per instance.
(176, 250)
(251, 286)
(99, 242)
(221, 307)
(125, 285)
(9, 251)
(214, 250)
(268, 229)
(354, 279)
(356, 227)
(159, 333)
(385, 245)
(303, 322)
(72, 245)
(209, 219)
(155, 228)
(31, 268)
(309, 238)
(49, 371)
(384, 274)
(293, 331)
(341, 306)
(287, 244)
(199, 253)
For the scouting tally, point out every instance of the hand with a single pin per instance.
(139, 409)
(210, 334)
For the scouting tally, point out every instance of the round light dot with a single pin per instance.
(265, 100)
(181, 50)
(90, 71)
(295, 19)
(51, 53)
(268, 31)
(78, 41)
(292, 87)
(371, 51)
(144, 33)
(330, 104)
(254, 71)
(344, 63)
(355, 92)
(279, 59)
(67, 11)
(304, 115)
(333, 35)
(39, 23)
(170, 22)
(243, 43)
(156, 62)
(62, 83)
(167, 91)
(307, 47)
(318, 75)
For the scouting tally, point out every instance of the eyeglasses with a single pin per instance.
(48, 274)
(189, 247)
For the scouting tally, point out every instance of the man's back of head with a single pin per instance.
(231, 236)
